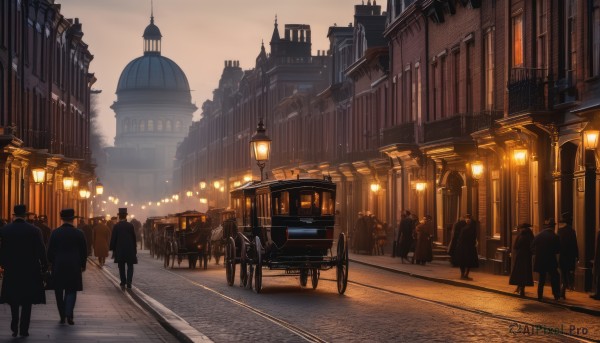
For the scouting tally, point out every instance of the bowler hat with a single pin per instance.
(67, 214)
(20, 210)
(123, 211)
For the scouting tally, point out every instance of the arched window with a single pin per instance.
(150, 125)
(159, 125)
(142, 126)
(168, 125)
(178, 126)
(134, 125)
(126, 125)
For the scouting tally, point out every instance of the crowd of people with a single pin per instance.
(552, 253)
(369, 234)
(34, 258)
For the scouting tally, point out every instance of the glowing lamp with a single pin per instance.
(420, 185)
(520, 156)
(39, 175)
(68, 183)
(99, 188)
(477, 169)
(590, 139)
(375, 187)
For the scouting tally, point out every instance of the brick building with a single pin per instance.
(44, 109)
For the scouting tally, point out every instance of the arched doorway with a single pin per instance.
(451, 204)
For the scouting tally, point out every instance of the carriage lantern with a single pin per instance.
(261, 145)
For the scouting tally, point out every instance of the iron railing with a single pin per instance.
(456, 126)
(399, 134)
(528, 90)
(485, 120)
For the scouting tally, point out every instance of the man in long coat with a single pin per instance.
(23, 257)
(405, 236)
(101, 241)
(569, 252)
(67, 252)
(423, 248)
(545, 246)
(122, 244)
(466, 256)
(455, 233)
(522, 273)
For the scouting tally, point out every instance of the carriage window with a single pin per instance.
(247, 210)
(182, 223)
(327, 206)
(282, 204)
(309, 204)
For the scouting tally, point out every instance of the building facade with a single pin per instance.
(45, 88)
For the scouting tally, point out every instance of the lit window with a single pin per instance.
(489, 69)
(517, 30)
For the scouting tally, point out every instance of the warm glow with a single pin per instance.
(68, 183)
(217, 184)
(420, 186)
(39, 175)
(375, 187)
(117, 201)
(149, 203)
(110, 198)
(99, 188)
(247, 178)
(157, 204)
(520, 156)
(143, 207)
(222, 189)
(176, 197)
(590, 139)
(189, 193)
(87, 194)
(477, 169)
(237, 184)
(261, 150)
(75, 183)
(125, 203)
(202, 185)
(82, 193)
(203, 200)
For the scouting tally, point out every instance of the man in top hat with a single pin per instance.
(545, 246)
(569, 252)
(23, 257)
(124, 248)
(67, 251)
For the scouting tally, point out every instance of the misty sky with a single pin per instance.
(199, 35)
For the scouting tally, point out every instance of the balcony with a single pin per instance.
(399, 134)
(485, 120)
(528, 90)
(452, 127)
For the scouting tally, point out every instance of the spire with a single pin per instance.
(151, 12)
(275, 38)
(152, 35)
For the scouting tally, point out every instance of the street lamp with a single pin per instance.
(39, 175)
(99, 188)
(84, 193)
(477, 169)
(68, 183)
(75, 183)
(261, 145)
(375, 187)
(202, 184)
(189, 193)
(420, 185)
(217, 184)
(590, 139)
(520, 156)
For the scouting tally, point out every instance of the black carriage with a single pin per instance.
(285, 225)
(186, 235)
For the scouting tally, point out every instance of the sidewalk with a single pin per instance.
(443, 272)
(102, 314)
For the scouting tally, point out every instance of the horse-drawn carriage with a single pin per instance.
(186, 234)
(285, 225)
(151, 236)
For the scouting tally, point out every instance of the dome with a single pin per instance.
(152, 31)
(153, 72)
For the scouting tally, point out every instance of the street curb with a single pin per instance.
(575, 308)
(173, 323)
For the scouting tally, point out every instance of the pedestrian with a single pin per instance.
(67, 253)
(545, 246)
(423, 248)
(42, 224)
(455, 233)
(23, 258)
(137, 227)
(358, 232)
(522, 273)
(101, 241)
(405, 236)
(596, 270)
(368, 233)
(87, 230)
(466, 256)
(569, 253)
(124, 248)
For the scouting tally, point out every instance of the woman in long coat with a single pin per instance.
(101, 242)
(466, 256)
(522, 273)
(423, 249)
(405, 236)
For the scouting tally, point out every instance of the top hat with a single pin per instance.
(67, 214)
(524, 226)
(20, 210)
(123, 211)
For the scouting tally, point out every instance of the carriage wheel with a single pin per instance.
(342, 263)
(303, 277)
(243, 265)
(230, 261)
(315, 274)
(258, 270)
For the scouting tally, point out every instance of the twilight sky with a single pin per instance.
(199, 35)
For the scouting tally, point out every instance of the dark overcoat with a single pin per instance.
(405, 237)
(466, 247)
(423, 248)
(123, 243)
(101, 240)
(569, 252)
(545, 246)
(456, 228)
(597, 256)
(67, 252)
(88, 232)
(23, 257)
(522, 273)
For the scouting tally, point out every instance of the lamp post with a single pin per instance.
(261, 146)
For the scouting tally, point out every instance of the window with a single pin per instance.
(282, 203)
(159, 125)
(496, 214)
(571, 54)
(596, 42)
(489, 69)
(542, 34)
(168, 126)
(418, 93)
(309, 204)
(178, 126)
(150, 125)
(517, 40)
(456, 86)
(142, 126)
(328, 204)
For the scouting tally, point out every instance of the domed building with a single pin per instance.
(153, 112)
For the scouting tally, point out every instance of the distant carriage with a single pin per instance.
(285, 225)
(186, 235)
(151, 233)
